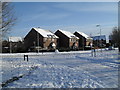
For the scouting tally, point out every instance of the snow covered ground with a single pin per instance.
(62, 70)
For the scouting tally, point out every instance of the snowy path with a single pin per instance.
(73, 70)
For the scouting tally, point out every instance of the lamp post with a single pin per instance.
(10, 42)
(100, 35)
(38, 41)
(83, 43)
(10, 46)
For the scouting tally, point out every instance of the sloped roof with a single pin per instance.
(83, 34)
(68, 34)
(45, 33)
(15, 39)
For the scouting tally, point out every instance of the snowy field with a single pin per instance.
(62, 70)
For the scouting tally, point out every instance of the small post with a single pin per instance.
(10, 46)
(94, 53)
(25, 57)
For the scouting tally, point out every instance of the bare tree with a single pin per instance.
(7, 18)
(115, 36)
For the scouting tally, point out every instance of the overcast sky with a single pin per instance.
(70, 16)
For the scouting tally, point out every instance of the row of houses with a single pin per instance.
(41, 39)
(45, 39)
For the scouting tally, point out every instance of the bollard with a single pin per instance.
(93, 53)
(25, 56)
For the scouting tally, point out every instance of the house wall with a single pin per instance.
(31, 39)
(72, 41)
(47, 41)
(82, 40)
(88, 42)
(63, 40)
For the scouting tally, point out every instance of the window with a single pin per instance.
(73, 40)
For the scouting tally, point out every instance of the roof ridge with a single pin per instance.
(68, 33)
(44, 32)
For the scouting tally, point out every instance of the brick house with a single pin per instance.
(84, 39)
(67, 39)
(40, 38)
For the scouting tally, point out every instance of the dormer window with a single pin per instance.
(50, 36)
(72, 36)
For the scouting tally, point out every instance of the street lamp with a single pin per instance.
(83, 43)
(38, 41)
(100, 35)
(10, 42)
(10, 46)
